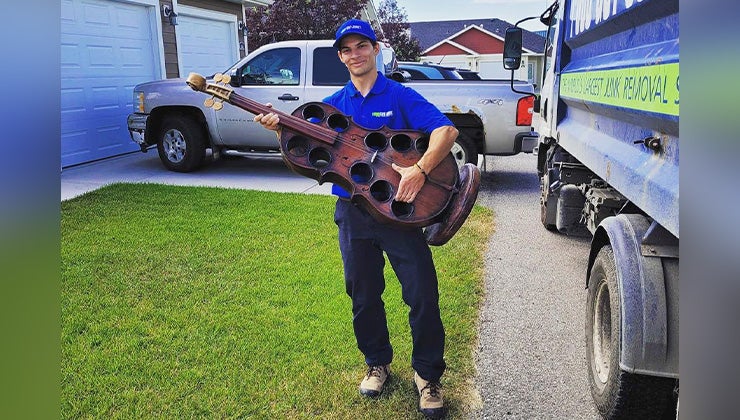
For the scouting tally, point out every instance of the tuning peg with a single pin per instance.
(208, 102)
(221, 78)
(217, 106)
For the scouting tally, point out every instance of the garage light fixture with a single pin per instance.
(170, 14)
(243, 28)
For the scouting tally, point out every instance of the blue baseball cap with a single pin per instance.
(354, 26)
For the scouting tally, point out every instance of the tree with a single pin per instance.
(285, 20)
(393, 20)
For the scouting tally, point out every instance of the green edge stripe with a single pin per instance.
(645, 88)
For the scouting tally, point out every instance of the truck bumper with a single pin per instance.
(136, 128)
(526, 141)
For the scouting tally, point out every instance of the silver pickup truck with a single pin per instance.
(492, 119)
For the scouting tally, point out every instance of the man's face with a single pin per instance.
(358, 54)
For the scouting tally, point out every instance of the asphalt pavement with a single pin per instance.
(530, 356)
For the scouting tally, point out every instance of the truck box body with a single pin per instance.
(618, 86)
(608, 161)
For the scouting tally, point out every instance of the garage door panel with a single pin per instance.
(107, 47)
(84, 56)
(107, 134)
(206, 46)
(494, 70)
(105, 18)
(75, 144)
(89, 103)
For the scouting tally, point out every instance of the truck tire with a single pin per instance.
(181, 144)
(617, 394)
(464, 151)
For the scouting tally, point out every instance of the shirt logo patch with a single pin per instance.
(385, 114)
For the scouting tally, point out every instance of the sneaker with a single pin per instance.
(372, 384)
(430, 397)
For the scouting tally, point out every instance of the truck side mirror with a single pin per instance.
(513, 48)
(236, 78)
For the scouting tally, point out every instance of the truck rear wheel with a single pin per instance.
(617, 394)
(181, 144)
(464, 150)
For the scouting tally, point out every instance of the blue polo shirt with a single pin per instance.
(388, 103)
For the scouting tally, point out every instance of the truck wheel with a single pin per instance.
(464, 151)
(617, 394)
(181, 144)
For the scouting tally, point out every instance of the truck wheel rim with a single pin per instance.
(174, 145)
(602, 333)
(459, 154)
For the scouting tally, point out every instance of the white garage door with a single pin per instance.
(494, 70)
(206, 45)
(107, 47)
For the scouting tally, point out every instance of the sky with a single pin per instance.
(508, 10)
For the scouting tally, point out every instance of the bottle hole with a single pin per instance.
(361, 172)
(401, 142)
(313, 113)
(381, 191)
(422, 144)
(297, 146)
(319, 157)
(376, 141)
(401, 209)
(337, 122)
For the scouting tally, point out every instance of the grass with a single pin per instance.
(183, 302)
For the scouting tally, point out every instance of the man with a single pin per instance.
(374, 101)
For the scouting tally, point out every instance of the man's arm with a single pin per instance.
(413, 177)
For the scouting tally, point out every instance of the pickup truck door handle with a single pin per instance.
(287, 97)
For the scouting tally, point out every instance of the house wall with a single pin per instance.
(489, 65)
(446, 49)
(483, 48)
(480, 42)
(170, 46)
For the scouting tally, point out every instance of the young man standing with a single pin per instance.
(373, 101)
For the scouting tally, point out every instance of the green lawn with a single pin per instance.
(183, 302)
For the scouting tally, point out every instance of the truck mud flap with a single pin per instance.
(642, 291)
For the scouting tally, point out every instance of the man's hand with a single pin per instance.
(413, 177)
(411, 182)
(270, 120)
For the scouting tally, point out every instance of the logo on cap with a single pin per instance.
(355, 26)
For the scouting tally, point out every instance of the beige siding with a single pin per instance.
(216, 6)
(170, 47)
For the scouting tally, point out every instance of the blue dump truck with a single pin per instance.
(607, 153)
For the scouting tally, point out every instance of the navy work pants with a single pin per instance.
(362, 241)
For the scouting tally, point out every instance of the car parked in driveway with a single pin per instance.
(468, 74)
(428, 71)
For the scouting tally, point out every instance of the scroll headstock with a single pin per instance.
(218, 90)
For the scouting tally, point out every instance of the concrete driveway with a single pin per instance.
(254, 173)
